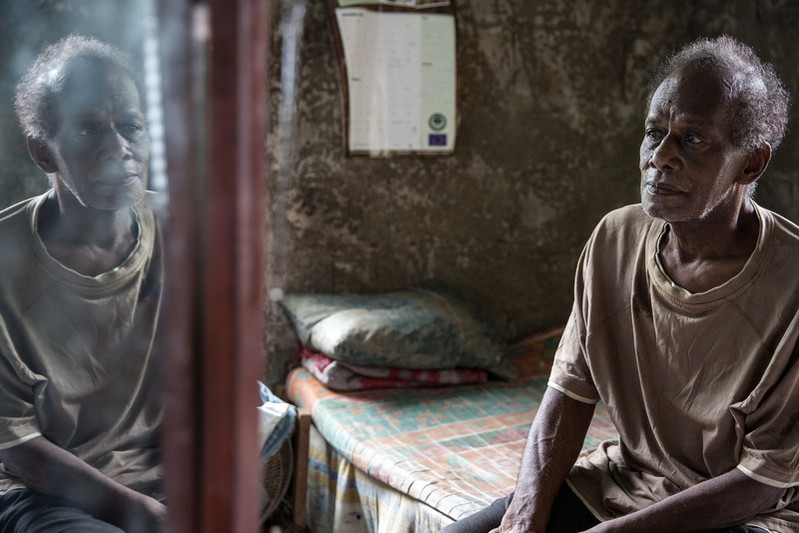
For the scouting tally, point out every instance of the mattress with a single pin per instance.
(436, 454)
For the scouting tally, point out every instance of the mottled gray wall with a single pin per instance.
(551, 119)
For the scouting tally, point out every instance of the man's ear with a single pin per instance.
(41, 154)
(756, 162)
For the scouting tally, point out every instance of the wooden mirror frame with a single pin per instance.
(213, 327)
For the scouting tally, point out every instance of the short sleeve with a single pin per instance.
(571, 374)
(18, 421)
(769, 419)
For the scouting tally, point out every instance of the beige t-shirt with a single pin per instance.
(696, 384)
(76, 362)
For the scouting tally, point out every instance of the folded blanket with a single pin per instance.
(339, 376)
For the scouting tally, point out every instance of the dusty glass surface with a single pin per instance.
(100, 338)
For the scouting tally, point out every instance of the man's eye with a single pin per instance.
(86, 130)
(654, 134)
(691, 138)
(132, 128)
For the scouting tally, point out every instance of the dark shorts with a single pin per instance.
(27, 511)
(569, 515)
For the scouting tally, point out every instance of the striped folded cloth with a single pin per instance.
(340, 376)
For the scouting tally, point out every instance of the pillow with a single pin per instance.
(534, 355)
(415, 328)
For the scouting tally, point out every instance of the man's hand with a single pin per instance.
(145, 515)
(516, 524)
(555, 440)
(53, 471)
(728, 500)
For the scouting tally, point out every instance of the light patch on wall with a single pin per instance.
(299, 221)
(534, 211)
(407, 197)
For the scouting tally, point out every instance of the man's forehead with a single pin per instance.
(89, 88)
(693, 93)
(94, 113)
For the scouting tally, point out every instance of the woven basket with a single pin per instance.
(275, 479)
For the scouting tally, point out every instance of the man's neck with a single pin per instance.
(90, 241)
(700, 255)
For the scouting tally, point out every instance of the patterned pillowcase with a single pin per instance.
(415, 328)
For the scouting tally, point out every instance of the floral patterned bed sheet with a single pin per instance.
(454, 448)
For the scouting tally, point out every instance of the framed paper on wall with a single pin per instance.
(397, 61)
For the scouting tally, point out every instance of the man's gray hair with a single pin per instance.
(758, 98)
(38, 91)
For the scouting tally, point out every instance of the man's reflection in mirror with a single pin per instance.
(80, 291)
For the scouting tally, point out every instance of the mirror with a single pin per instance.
(211, 356)
(82, 263)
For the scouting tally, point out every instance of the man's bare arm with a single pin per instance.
(553, 444)
(724, 501)
(50, 470)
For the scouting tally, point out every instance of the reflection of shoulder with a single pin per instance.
(17, 211)
(149, 211)
(15, 222)
(149, 200)
(16, 242)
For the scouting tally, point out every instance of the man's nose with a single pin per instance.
(666, 155)
(115, 145)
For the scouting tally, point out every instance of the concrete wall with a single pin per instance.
(551, 119)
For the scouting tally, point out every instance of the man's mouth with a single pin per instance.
(662, 189)
(118, 179)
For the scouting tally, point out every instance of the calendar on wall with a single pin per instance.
(399, 77)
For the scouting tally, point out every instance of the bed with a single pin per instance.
(401, 460)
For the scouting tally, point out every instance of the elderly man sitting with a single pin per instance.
(80, 291)
(685, 324)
